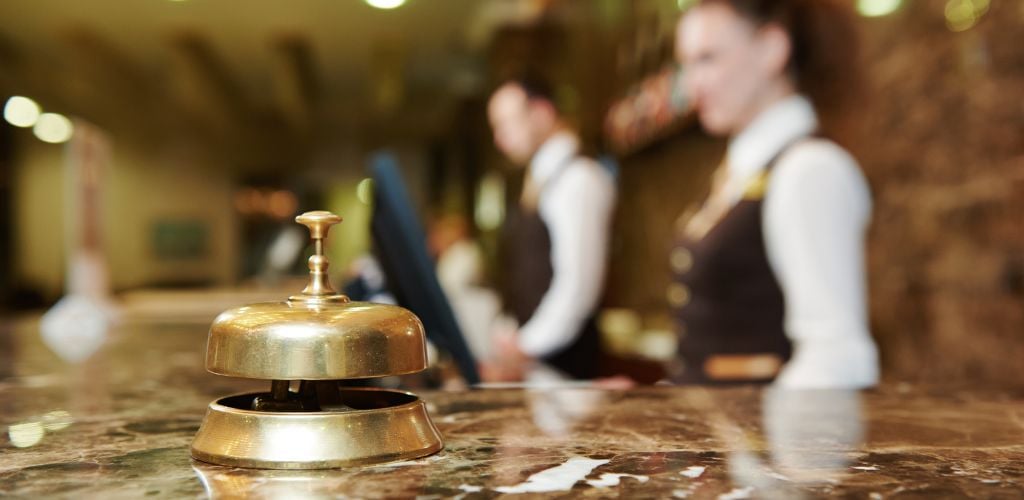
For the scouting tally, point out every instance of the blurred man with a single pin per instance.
(556, 241)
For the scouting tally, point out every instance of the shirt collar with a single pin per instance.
(552, 155)
(775, 128)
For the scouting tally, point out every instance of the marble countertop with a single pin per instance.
(113, 416)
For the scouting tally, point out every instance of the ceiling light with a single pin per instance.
(53, 128)
(21, 111)
(878, 8)
(385, 4)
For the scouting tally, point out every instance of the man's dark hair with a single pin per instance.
(536, 87)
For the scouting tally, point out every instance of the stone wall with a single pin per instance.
(945, 155)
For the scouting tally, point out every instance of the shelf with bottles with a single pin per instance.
(651, 109)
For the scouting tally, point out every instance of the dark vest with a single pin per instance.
(728, 301)
(528, 276)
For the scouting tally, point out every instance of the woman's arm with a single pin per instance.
(816, 212)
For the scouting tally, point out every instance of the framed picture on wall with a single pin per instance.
(179, 239)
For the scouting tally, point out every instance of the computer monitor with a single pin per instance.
(401, 247)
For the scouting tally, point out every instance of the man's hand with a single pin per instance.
(508, 363)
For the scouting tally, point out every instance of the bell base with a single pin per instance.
(383, 426)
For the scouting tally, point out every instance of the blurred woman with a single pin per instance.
(769, 271)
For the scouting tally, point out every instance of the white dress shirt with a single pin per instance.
(816, 210)
(576, 199)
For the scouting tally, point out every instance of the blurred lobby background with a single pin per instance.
(216, 122)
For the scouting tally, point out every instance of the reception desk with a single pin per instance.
(118, 424)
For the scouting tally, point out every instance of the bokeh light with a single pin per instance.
(21, 111)
(26, 434)
(53, 128)
(385, 4)
(364, 191)
(57, 420)
(489, 212)
(878, 8)
(282, 204)
(685, 4)
(962, 15)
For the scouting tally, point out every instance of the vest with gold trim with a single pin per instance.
(727, 302)
(526, 244)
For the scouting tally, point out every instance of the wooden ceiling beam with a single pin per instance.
(204, 86)
(296, 82)
(107, 87)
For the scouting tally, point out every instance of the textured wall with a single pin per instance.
(141, 188)
(945, 156)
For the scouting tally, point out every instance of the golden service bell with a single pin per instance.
(305, 346)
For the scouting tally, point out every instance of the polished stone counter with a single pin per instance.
(118, 424)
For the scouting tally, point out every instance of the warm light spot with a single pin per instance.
(685, 4)
(490, 205)
(53, 128)
(57, 420)
(26, 434)
(385, 4)
(249, 201)
(282, 204)
(364, 191)
(962, 15)
(878, 8)
(21, 111)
